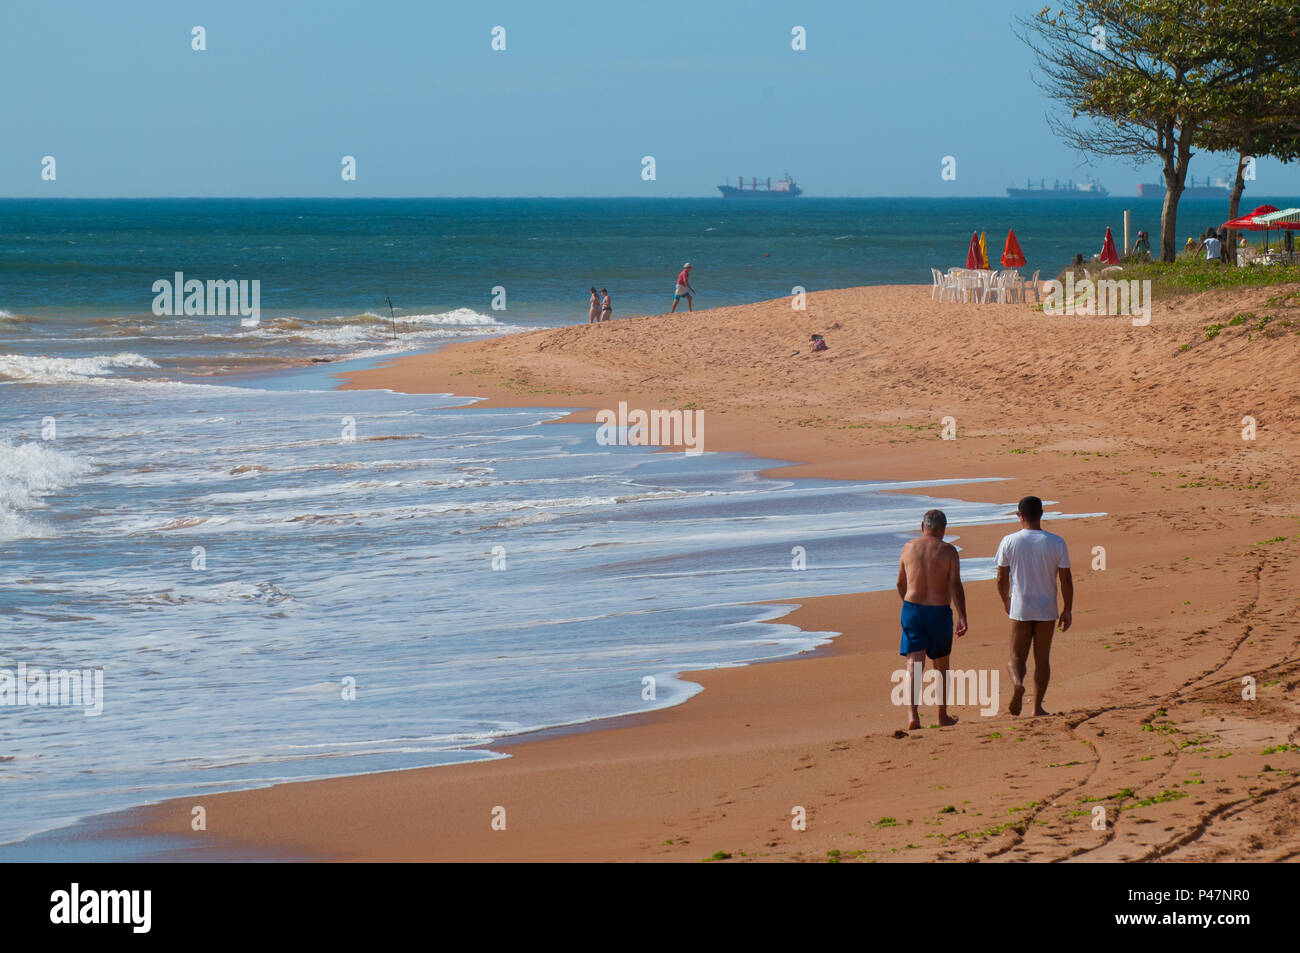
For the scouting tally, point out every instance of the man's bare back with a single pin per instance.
(927, 570)
(929, 583)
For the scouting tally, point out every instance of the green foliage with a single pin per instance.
(1176, 279)
(1160, 79)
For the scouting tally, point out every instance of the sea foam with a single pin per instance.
(28, 471)
(65, 369)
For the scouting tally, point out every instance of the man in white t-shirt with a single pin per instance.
(1213, 247)
(1029, 564)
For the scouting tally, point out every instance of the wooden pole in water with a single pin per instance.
(1126, 231)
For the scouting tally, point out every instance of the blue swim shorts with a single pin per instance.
(927, 628)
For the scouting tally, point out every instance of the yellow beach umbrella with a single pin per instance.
(984, 249)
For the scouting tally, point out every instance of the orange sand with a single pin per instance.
(1200, 589)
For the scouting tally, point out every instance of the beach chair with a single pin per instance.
(1012, 286)
(991, 286)
(1015, 287)
(939, 284)
(1031, 286)
(1002, 287)
(968, 285)
(951, 286)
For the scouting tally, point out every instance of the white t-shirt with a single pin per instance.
(1033, 556)
(1213, 248)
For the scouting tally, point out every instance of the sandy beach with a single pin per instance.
(1199, 590)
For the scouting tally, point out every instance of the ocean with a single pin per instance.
(281, 580)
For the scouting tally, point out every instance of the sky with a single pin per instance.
(582, 92)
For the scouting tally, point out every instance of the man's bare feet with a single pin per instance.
(946, 720)
(914, 724)
(1040, 712)
(1017, 697)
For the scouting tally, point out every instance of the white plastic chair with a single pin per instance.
(990, 286)
(952, 286)
(1010, 287)
(1031, 286)
(1003, 287)
(968, 285)
(938, 287)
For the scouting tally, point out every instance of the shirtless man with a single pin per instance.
(929, 580)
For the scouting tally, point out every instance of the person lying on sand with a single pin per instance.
(1029, 564)
(929, 579)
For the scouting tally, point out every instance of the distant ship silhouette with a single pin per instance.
(784, 189)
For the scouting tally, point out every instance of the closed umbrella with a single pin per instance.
(1012, 256)
(984, 250)
(1108, 253)
(973, 253)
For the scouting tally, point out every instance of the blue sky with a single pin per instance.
(583, 90)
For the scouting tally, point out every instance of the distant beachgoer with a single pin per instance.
(1191, 244)
(1213, 248)
(1143, 244)
(684, 289)
(606, 306)
(818, 342)
(929, 582)
(1029, 564)
(593, 315)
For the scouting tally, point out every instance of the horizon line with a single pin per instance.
(718, 198)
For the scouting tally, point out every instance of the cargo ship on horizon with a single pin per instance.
(1218, 189)
(783, 189)
(1059, 190)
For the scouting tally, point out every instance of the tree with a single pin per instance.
(1138, 78)
(1259, 114)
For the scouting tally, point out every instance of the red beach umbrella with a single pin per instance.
(973, 253)
(1012, 256)
(1248, 221)
(1108, 254)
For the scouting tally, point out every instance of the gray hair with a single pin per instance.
(934, 519)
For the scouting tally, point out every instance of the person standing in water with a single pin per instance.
(593, 315)
(606, 306)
